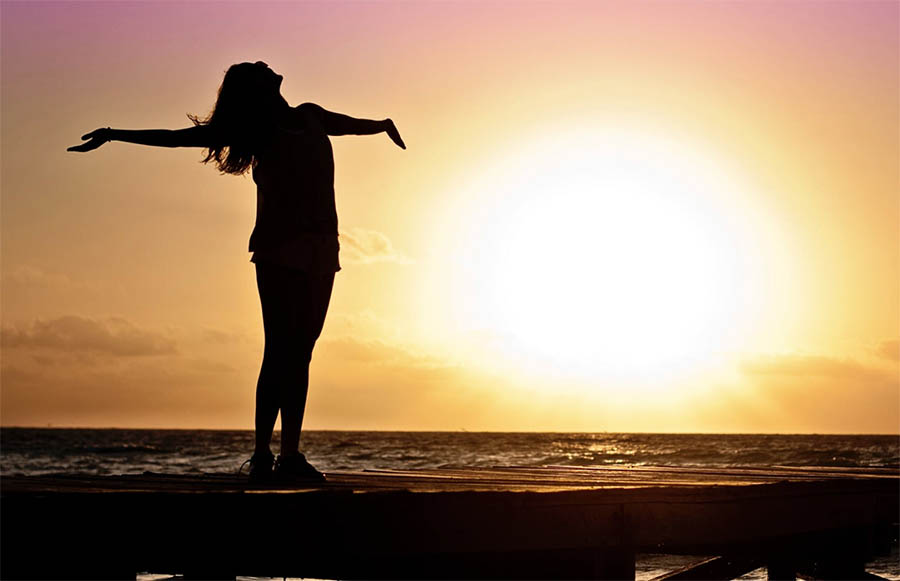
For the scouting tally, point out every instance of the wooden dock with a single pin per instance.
(451, 523)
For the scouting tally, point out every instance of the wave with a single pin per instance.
(125, 449)
(33, 451)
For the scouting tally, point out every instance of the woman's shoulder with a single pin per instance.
(304, 117)
(310, 110)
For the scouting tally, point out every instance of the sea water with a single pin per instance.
(30, 451)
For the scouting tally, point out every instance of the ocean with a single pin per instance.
(43, 451)
(34, 451)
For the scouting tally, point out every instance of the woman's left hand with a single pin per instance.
(95, 138)
(392, 132)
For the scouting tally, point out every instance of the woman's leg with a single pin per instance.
(294, 305)
(312, 293)
(275, 299)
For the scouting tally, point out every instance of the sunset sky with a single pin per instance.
(611, 216)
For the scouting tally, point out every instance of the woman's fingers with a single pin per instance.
(97, 133)
(87, 146)
(395, 136)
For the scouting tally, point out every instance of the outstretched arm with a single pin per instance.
(197, 136)
(339, 124)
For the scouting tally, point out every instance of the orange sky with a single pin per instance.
(620, 216)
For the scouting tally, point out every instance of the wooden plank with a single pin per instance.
(408, 480)
(724, 521)
(460, 477)
(713, 569)
(861, 576)
(399, 524)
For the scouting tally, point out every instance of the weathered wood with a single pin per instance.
(859, 576)
(469, 479)
(560, 522)
(713, 569)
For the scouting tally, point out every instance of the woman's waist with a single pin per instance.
(317, 254)
(289, 223)
(262, 238)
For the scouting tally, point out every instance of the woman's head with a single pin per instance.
(245, 111)
(252, 82)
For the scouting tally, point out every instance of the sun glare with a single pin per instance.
(614, 255)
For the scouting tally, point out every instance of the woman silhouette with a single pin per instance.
(294, 241)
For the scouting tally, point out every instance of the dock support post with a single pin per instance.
(781, 569)
(614, 563)
(840, 554)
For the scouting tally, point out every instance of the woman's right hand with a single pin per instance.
(94, 139)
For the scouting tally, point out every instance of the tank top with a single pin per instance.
(296, 219)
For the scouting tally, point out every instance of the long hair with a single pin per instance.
(243, 116)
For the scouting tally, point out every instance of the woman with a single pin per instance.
(294, 241)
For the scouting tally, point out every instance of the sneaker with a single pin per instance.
(295, 468)
(260, 466)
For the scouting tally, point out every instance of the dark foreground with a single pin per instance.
(513, 523)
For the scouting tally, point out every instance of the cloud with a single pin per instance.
(109, 371)
(822, 394)
(375, 384)
(203, 365)
(34, 277)
(218, 337)
(378, 352)
(368, 246)
(808, 366)
(889, 350)
(112, 336)
(125, 391)
(355, 382)
(30, 275)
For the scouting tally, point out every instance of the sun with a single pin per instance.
(609, 254)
